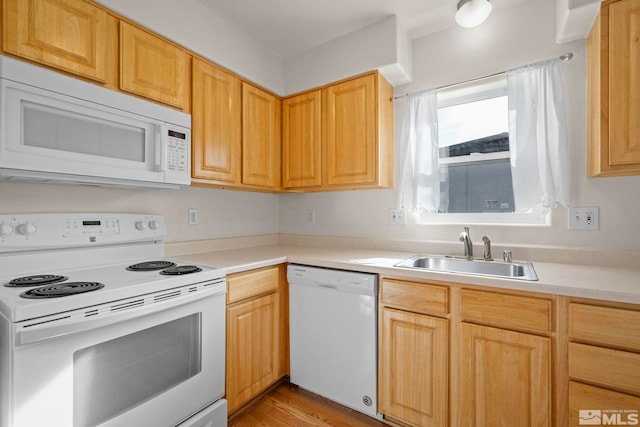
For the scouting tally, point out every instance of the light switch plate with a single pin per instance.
(584, 218)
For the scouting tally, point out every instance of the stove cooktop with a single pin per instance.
(55, 291)
(98, 258)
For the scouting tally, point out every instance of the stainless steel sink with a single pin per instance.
(511, 270)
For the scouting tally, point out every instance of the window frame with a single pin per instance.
(471, 91)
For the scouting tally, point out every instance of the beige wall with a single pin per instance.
(518, 36)
(222, 213)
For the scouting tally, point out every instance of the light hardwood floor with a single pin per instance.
(288, 405)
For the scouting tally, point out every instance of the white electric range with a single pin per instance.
(130, 336)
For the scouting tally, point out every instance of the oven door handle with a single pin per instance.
(68, 325)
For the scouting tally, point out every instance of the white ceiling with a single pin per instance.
(288, 27)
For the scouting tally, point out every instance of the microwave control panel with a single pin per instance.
(177, 151)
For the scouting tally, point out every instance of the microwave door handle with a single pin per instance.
(161, 148)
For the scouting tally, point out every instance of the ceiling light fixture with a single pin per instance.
(472, 13)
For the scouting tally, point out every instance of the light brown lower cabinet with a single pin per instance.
(505, 378)
(414, 363)
(455, 355)
(256, 334)
(599, 406)
(413, 384)
(604, 363)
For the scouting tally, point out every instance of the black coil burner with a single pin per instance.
(151, 266)
(180, 269)
(36, 280)
(62, 290)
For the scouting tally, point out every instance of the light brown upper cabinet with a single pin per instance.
(301, 140)
(154, 68)
(260, 138)
(73, 36)
(216, 119)
(356, 136)
(236, 132)
(613, 67)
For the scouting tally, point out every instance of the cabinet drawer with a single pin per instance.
(507, 311)
(419, 297)
(605, 325)
(245, 285)
(607, 367)
(586, 398)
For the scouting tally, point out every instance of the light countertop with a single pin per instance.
(605, 283)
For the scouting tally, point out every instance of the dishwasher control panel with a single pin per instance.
(341, 280)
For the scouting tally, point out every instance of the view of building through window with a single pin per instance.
(474, 162)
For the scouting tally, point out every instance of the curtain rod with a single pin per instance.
(565, 57)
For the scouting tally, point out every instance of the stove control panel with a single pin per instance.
(84, 227)
(24, 232)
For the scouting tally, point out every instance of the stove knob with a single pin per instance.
(141, 225)
(27, 228)
(5, 230)
(153, 225)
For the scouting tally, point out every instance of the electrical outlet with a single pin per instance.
(396, 217)
(193, 216)
(584, 218)
(311, 216)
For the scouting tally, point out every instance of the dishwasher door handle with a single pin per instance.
(324, 285)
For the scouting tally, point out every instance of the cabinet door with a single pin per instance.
(505, 378)
(414, 372)
(216, 119)
(73, 36)
(624, 81)
(252, 348)
(349, 136)
(260, 137)
(613, 106)
(154, 68)
(301, 140)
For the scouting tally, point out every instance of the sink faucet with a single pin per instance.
(468, 245)
(487, 249)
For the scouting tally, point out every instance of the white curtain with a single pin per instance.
(538, 136)
(419, 183)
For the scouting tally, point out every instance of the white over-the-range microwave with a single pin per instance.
(55, 128)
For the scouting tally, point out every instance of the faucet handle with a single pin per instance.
(487, 248)
(506, 255)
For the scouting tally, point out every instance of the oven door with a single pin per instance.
(153, 365)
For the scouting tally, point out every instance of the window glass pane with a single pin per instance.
(473, 120)
(111, 377)
(473, 136)
(478, 187)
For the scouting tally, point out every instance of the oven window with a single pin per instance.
(114, 376)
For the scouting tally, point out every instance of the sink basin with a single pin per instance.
(511, 270)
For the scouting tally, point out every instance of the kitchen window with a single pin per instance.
(473, 147)
(492, 150)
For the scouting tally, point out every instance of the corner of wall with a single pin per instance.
(384, 45)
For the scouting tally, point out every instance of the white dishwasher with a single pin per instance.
(333, 325)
